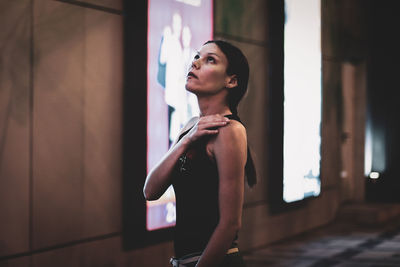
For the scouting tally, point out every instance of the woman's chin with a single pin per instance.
(190, 89)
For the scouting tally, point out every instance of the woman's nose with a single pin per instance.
(195, 63)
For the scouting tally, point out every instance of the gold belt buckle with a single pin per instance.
(232, 250)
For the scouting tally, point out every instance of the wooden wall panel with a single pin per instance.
(242, 19)
(58, 123)
(109, 252)
(102, 183)
(106, 252)
(156, 255)
(16, 262)
(331, 121)
(61, 257)
(352, 147)
(344, 29)
(114, 4)
(330, 24)
(14, 125)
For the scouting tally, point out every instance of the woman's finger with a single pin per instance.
(213, 118)
(210, 132)
(213, 124)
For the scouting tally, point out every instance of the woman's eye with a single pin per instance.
(196, 57)
(211, 59)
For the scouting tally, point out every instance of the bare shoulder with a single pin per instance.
(234, 130)
(231, 137)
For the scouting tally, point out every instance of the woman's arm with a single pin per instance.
(230, 152)
(159, 178)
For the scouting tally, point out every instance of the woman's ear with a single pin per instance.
(231, 81)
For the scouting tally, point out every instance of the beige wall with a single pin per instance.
(61, 128)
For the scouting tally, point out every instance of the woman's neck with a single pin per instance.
(210, 105)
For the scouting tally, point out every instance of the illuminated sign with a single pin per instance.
(176, 29)
(302, 100)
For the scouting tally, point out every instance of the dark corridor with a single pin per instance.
(383, 101)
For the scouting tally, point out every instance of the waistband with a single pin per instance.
(194, 257)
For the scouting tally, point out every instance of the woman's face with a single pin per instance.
(207, 74)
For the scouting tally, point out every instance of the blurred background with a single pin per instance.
(73, 131)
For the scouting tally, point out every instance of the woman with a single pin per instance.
(207, 163)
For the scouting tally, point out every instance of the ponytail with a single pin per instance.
(250, 169)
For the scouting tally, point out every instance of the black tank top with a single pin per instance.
(196, 181)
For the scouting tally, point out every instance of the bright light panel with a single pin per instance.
(302, 100)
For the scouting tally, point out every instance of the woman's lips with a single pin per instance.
(191, 74)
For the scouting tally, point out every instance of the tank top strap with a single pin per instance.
(233, 117)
